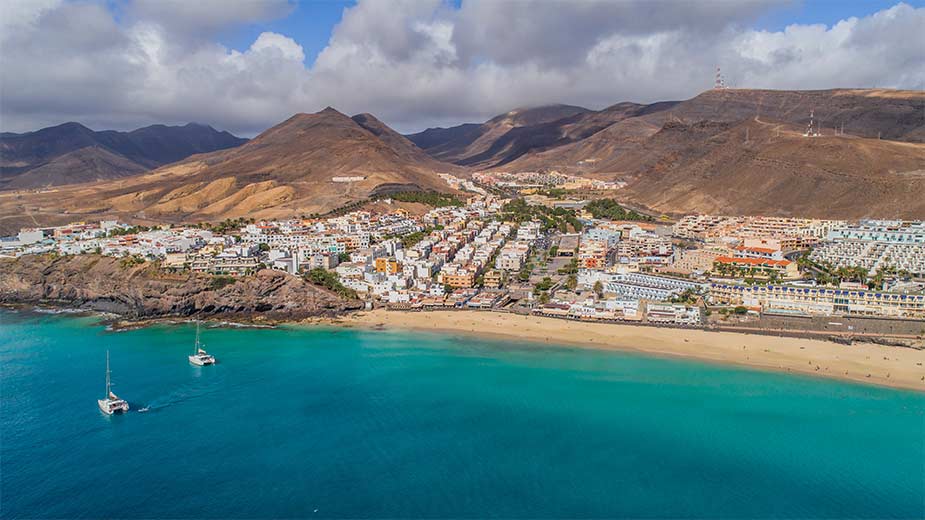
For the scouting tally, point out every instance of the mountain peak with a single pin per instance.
(329, 110)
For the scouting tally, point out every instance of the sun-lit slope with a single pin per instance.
(710, 167)
(891, 114)
(286, 170)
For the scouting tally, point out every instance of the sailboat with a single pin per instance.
(200, 357)
(111, 403)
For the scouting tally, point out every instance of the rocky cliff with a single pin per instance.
(145, 290)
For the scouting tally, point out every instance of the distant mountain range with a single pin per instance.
(308, 163)
(729, 151)
(498, 142)
(724, 151)
(72, 153)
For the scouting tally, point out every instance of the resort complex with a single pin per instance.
(491, 252)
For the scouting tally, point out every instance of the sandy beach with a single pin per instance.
(862, 362)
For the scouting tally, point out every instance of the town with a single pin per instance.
(598, 262)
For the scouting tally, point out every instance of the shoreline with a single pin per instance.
(868, 363)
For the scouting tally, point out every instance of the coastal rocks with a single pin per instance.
(142, 291)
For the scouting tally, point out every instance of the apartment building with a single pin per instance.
(819, 300)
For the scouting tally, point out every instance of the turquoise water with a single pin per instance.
(344, 423)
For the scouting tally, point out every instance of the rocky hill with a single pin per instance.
(737, 151)
(72, 153)
(502, 138)
(290, 169)
(755, 167)
(109, 284)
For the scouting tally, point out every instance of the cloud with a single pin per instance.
(206, 16)
(419, 63)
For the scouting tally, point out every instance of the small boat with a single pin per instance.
(200, 357)
(111, 403)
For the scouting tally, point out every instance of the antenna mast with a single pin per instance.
(719, 83)
(810, 128)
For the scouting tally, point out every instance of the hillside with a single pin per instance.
(102, 283)
(287, 170)
(500, 139)
(892, 114)
(691, 156)
(72, 153)
(709, 167)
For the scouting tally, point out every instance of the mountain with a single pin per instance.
(72, 153)
(544, 134)
(501, 138)
(692, 156)
(890, 114)
(756, 167)
(289, 169)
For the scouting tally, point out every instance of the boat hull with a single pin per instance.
(196, 360)
(109, 409)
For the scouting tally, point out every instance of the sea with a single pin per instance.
(313, 422)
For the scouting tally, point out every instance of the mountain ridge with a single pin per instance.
(28, 160)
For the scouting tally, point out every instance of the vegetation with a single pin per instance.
(550, 218)
(599, 289)
(554, 193)
(131, 261)
(688, 297)
(329, 280)
(751, 275)
(541, 289)
(609, 209)
(226, 225)
(221, 281)
(413, 238)
(570, 268)
(524, 274)
(431, 198)
(118, 232)
(343, 257)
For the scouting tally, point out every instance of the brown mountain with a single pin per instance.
(891, 114)
(287, 170)
(503, 138)
(72, 153)
(710, 167)
(88, 164)
(693, 156)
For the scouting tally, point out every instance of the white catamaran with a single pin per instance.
(111, 404)
(200, 357)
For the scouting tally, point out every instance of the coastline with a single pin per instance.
(868, 363)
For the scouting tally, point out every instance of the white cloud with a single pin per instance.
(418, 63)
(277, 45)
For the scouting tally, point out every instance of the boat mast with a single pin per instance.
(108, 391)
(196, 346)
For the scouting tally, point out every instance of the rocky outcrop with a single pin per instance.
(145, 290)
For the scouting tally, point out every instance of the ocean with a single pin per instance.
(323, 422)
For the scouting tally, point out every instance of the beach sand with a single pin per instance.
(863, 362)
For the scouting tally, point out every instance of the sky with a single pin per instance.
(245, 65)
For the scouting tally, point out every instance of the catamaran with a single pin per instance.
(200, 357)
(111, 403)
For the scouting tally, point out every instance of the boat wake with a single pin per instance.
(179, 396)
